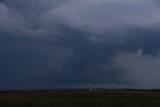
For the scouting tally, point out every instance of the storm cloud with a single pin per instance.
(79, 43)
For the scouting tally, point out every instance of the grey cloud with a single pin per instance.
(142, 71)
(16, 24)
(86, 65)
(106, 20)
(70, 43)
(23, 64)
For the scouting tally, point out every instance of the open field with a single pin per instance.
(80, 99)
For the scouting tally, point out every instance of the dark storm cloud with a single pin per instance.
(71, 43)
(88, 64)
(94, 63)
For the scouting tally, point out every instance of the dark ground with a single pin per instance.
(80, 99)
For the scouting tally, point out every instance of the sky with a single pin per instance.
(47, 44)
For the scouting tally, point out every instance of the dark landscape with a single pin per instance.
(81, 98)
(79, 53)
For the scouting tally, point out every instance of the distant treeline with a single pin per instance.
(83, 90)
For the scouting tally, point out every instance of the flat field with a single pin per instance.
(80, 99)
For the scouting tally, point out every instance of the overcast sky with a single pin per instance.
(79, 44)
